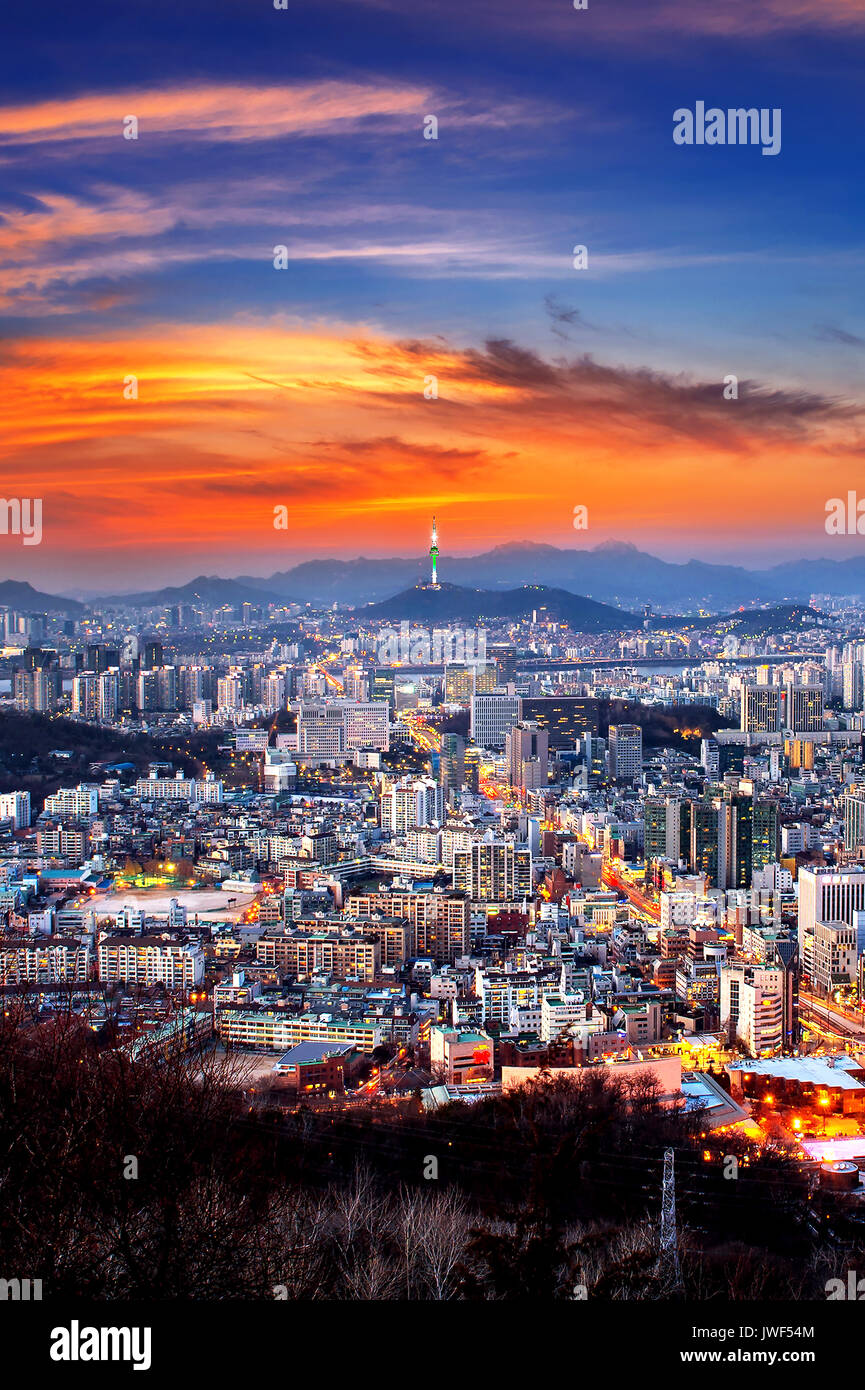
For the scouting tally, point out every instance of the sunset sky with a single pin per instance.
(410, 258)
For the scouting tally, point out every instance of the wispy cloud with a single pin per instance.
(832, 333)
(212, 112)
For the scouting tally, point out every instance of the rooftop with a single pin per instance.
(831, 1072)
(312, 1052)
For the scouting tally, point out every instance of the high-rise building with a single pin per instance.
(166, 683)
(85, 695)
(595, 757)
(151, 961)
(452, 765)
(761, 708)
(99, 658)
(381, 684)
(15, 806)
(665, 828)
(834, 957)
(493, 716)
(109, 695)
(826, 895)
(76, 802)
(367, 725)
(157, 688)
(505, 658)
(804, 709)
(439, 921)
(194, 683)
(748, 839)
(411, 802)
(626, 752)
(37, 689)
(202, 711)
(702, 832)
(785, 955)
(853, 685)
(729, 837)
(565, 717)
(800, 752)
(465, 679)
(854, 818)
(710, 758)
(752, 1011)
(494, 871)
(527, 755)
(321, 730)
(230, 692)
(273, 691)
(147, 691)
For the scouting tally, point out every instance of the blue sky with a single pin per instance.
(304, 127)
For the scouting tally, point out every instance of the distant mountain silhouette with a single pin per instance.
(26, 599)
(782, 617)
(613, 572)
(207, 589)
(450, 603)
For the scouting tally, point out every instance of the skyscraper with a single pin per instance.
(493, 716)
(566, 717)
(109, 694)
(852, 685)
(411, 802)
(702, 834)
(854, 818)
(452, 765)
(665, 821)
(826, 895)
(527, 754)
(465, 679)
(85, 694)
(494, 871)
(761, 709)
(626, 752)
(748, 839)
(804, 709)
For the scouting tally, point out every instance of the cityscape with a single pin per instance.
(432, 673)
(377, 888)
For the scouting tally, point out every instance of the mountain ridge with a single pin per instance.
(615, 573)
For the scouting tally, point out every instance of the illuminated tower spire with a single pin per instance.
(434, 553)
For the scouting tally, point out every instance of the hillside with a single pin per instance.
(449, 603)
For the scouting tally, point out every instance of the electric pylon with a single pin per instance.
(669, 1272)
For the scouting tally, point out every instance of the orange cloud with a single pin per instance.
(330, 420)
(225, 111)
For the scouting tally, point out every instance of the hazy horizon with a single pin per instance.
(41, 578)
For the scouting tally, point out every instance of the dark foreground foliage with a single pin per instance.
(156, 1181)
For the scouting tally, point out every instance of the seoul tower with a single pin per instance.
(434, 554)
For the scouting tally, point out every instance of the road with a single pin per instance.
(424, 735)
(632, 893)
(384, 1076)
(832, 1020)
